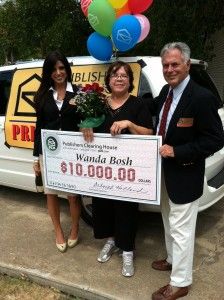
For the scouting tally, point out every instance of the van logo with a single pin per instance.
(20, 115)
(24, 94)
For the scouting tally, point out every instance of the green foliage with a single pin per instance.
(51, 24)
(30, 29)
(189, 21)
(8, 30)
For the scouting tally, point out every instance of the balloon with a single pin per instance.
(99, 46)
(84, 6)
(145, 26)
(138, 6)
(118, 3)
(126, 32)
(123, 11)
(101, 16)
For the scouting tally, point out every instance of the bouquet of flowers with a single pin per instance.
(90, 102)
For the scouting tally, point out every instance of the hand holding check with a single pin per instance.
(166, 151)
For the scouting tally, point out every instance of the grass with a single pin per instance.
(20, 289)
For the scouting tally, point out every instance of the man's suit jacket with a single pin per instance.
(50, 117)
(195, 131)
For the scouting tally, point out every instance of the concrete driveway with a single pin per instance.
(27, 249)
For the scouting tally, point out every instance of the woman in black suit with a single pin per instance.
(55, 111)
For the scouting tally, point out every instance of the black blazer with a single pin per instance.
(50, 117)
(195, 132)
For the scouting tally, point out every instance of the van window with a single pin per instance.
(145, 91)
(144, 87)
(5, 85)
(199, 75)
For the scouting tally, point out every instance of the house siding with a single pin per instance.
(216, 65)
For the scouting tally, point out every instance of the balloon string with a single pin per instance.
(115, 54)
(115, 51)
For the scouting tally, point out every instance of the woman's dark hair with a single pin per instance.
(114, 67)
(46, 81)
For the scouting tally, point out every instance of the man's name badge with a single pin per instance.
(185, 122)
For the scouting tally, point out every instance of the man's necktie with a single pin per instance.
(162, 127)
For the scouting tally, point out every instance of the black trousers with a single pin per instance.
(118, 219)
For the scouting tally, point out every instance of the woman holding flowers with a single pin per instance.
(56, 110)
(125, 114)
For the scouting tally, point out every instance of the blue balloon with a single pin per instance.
(126, 32)
(99, 46)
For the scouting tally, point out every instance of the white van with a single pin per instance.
(18, 84)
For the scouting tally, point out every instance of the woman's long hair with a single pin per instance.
(46, 81)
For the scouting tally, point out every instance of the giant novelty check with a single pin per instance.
(127, 167)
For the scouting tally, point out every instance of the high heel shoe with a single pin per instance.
(61, 247)
(73, 243)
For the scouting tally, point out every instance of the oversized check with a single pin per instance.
(126, 167)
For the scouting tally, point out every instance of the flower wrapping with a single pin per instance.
(90, 102)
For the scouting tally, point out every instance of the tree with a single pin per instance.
(189, 21)
(8, 32)
(30, 29)
(34, 28)
(51, 24)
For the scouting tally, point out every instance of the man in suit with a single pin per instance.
(191, 130)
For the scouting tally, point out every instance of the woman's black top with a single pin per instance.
(134, 110)
(50, 117)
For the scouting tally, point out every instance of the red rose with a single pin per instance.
(93, 88)
(87, 87)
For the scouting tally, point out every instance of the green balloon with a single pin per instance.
(101, 16)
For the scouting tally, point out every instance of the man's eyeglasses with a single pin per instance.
(117, 76)
(172, 66)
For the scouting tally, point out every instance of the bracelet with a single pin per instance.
(36, 161)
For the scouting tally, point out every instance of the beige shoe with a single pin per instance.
(73, 243)
(61, 247)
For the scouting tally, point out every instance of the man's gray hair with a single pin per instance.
(182, 47)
